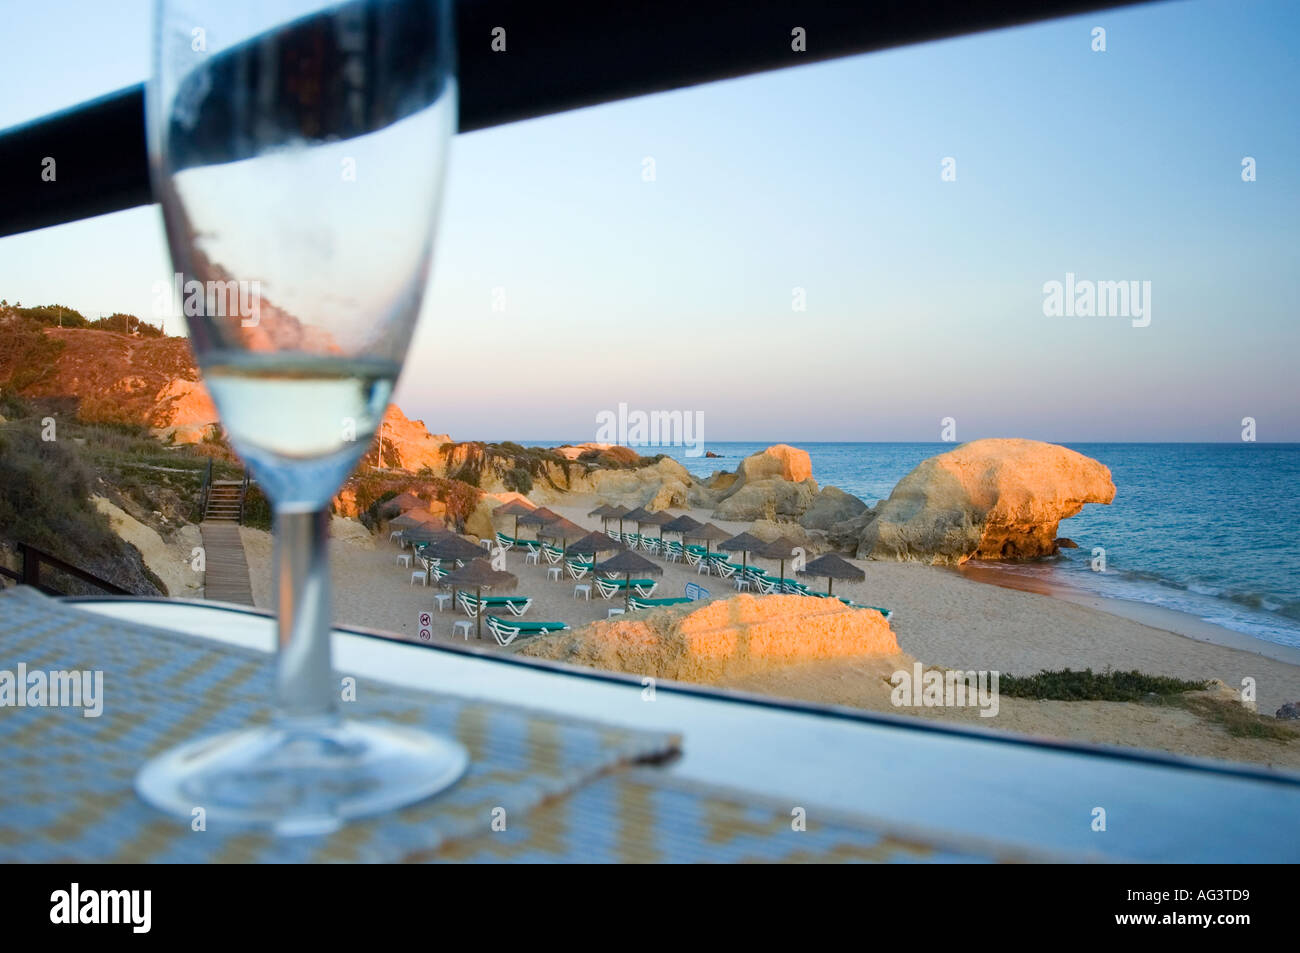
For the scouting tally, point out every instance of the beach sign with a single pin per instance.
(696, 593)
(424, 626)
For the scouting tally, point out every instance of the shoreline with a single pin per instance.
(1157, 617)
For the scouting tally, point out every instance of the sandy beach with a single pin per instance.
(943, 617)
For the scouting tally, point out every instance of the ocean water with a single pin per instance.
(1206, 529)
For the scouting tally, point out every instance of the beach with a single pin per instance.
(957, 619)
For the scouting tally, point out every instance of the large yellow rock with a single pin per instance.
(780, 461)
(723, 639)
(988, 499)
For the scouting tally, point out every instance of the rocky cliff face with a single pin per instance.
(989, 499)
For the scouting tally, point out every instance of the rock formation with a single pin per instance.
(832, 505)
(724, 638)
(989, 499)
(775, 484)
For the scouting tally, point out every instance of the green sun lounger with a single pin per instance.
(887, 613)
(639, 603)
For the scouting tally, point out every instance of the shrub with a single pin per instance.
(519, 480)
(1068, 685)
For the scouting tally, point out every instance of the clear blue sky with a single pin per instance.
(924, 297)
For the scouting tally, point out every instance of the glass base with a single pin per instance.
(301, 778)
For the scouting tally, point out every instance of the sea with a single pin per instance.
(1206, 529)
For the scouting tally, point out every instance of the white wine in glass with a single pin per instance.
(298, 149)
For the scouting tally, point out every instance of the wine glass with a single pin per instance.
(297, 148)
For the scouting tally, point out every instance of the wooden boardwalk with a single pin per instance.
(226, 578)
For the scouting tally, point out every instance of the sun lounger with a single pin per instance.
(506, 631)
(642, 587)
(637, 602)
(517, 605)
(504, 541)
(887, 613)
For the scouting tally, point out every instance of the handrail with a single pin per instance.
(203, 492)
(30, 575)
(557, 57)
(243, 495)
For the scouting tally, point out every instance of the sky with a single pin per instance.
(924, 298)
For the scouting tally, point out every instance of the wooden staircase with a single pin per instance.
(225, 502)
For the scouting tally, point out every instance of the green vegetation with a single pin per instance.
(518, 479)
(59, 315)
(27, 354)
(1226, 712)
(1068, 685)
(1238, 720)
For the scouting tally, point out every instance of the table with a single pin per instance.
(441, 598)
(462, 625)
(404, 559)
(583, 588)
(553, 573)
(1018, 791)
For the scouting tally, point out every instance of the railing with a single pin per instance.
(608, 51)
(203, 493)
(243, 495)
(30, 575)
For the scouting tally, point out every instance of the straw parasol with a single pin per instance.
(451, 546)
(538, 517)
(594, 543)
(400, 504)
(744, 544)
(780, 548)
(562, 529)
(413, 517)
(710, 533)
(478, 575)
(660, 519)
(833, 567)
(607, 512)
(628, 562)
(515, 508)
(639, 515)
(683, 524)
(426, 532)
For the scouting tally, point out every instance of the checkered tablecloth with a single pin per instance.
(572, 790)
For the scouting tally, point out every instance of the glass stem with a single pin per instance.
(305, 685)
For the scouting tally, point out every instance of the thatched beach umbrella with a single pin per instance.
(607, 512)
(710, 533)
(683, 524)
(451, 546)
(426, 532)
(659, 519)
(515, 508)
(562, 529)
(744, 544)
(478, 575)
(594, 543)
(638, 516)
(413, 517)
(833, 567)
(538, 517)
(400, 504)
(780, 548)
(628, 562)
